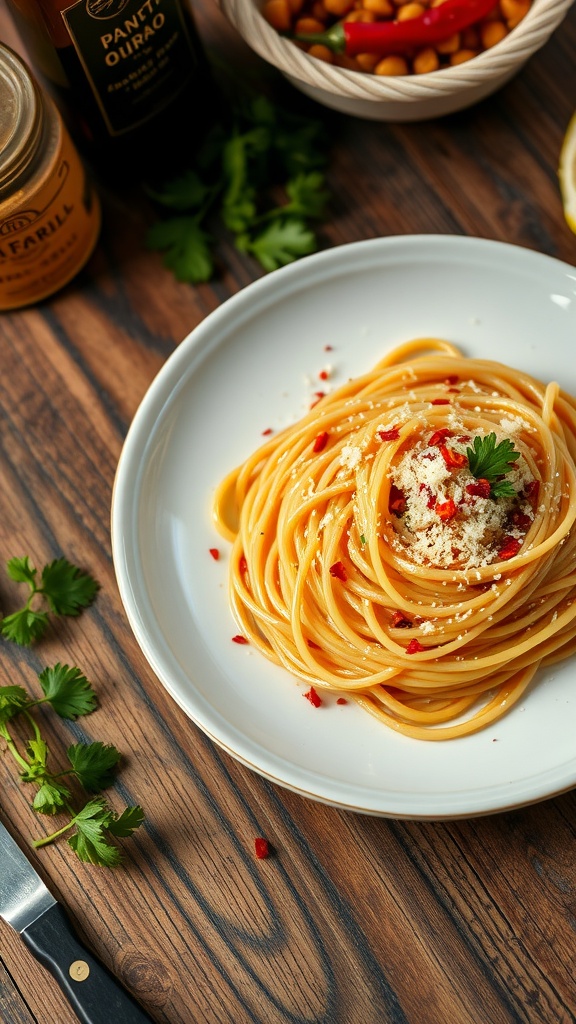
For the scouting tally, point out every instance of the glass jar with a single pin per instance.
(50, 214)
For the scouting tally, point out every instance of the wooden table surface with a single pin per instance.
(355, 919)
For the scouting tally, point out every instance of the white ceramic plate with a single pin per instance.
(253, 364)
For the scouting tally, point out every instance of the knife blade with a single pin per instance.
(28, 906)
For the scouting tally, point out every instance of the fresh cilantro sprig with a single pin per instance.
(92, 766)
(62, 586)
(491, 461)
(262, 176)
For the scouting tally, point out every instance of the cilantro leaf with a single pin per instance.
(89, 841)
(38, 753)
(280, 243)
(66, 588)
(186, 247)
(20, 570)
(187, 192)
(24, 627)
(502, 489)
(12, 700)
(488, 460)
(307, 196)
(127, 822)
(92, 822)
(94, 764)
(51, 798)
(68, 691)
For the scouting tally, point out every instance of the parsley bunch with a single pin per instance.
(490, 461)
(63, 587)
(240, 174)
(92, 766)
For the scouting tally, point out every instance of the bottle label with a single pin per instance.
(47, 233)
(137, 55)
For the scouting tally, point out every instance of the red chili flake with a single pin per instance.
(399, 620)
(455, 552)
(414, 647)
(389, 435)
(323, 375)
(510, 547)
(215, 553)
(452, 459)
(452, 379)
(327, 348)
(463, 438)
(341, 700)
(261, 847)
(431, 496)
(532, 490)
(313, 697)
(266, 432)
(243, 564)
(397, 500)
(446, 509)
(312, 644)
(439, 436)
(481, 489)
(521, 520)
(239, 639)
(317, 396)
(320, 441)
(440, 401)
(338, 571)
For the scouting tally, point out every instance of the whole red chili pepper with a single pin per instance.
(435, 25)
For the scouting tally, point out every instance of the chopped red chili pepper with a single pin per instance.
(243, 564)
(452, 379)
(463, 438)
(323, 375)
(266, 432)
(320, 441)
(328, 348)
(439, 436)
(397, 500)
(510, 547)
(239, 639)
(215, 553)
(446, 509)
(389, 435)
(453, 459)
(261, 847)
(341, 700)
(440, 401)
(312, 644)
(313, 697)
(399, 620)
(481, 489)
(521, 520)
(414, 647)
(455, 552)
(338, 571)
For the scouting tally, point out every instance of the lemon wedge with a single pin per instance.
(567, 174)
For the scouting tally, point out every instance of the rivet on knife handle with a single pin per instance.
(96, 996)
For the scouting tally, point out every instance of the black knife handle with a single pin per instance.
(95, 995)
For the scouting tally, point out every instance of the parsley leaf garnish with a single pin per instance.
(261, 176)
(490, 461)
(63, 586)
(92, 766)
(68, 691)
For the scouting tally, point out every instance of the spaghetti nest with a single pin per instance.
(409, 542)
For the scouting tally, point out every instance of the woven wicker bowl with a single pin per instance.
(410, 98)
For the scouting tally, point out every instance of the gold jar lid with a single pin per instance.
(21, 119)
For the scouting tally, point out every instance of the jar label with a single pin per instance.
(47, 235)
(136, 54)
